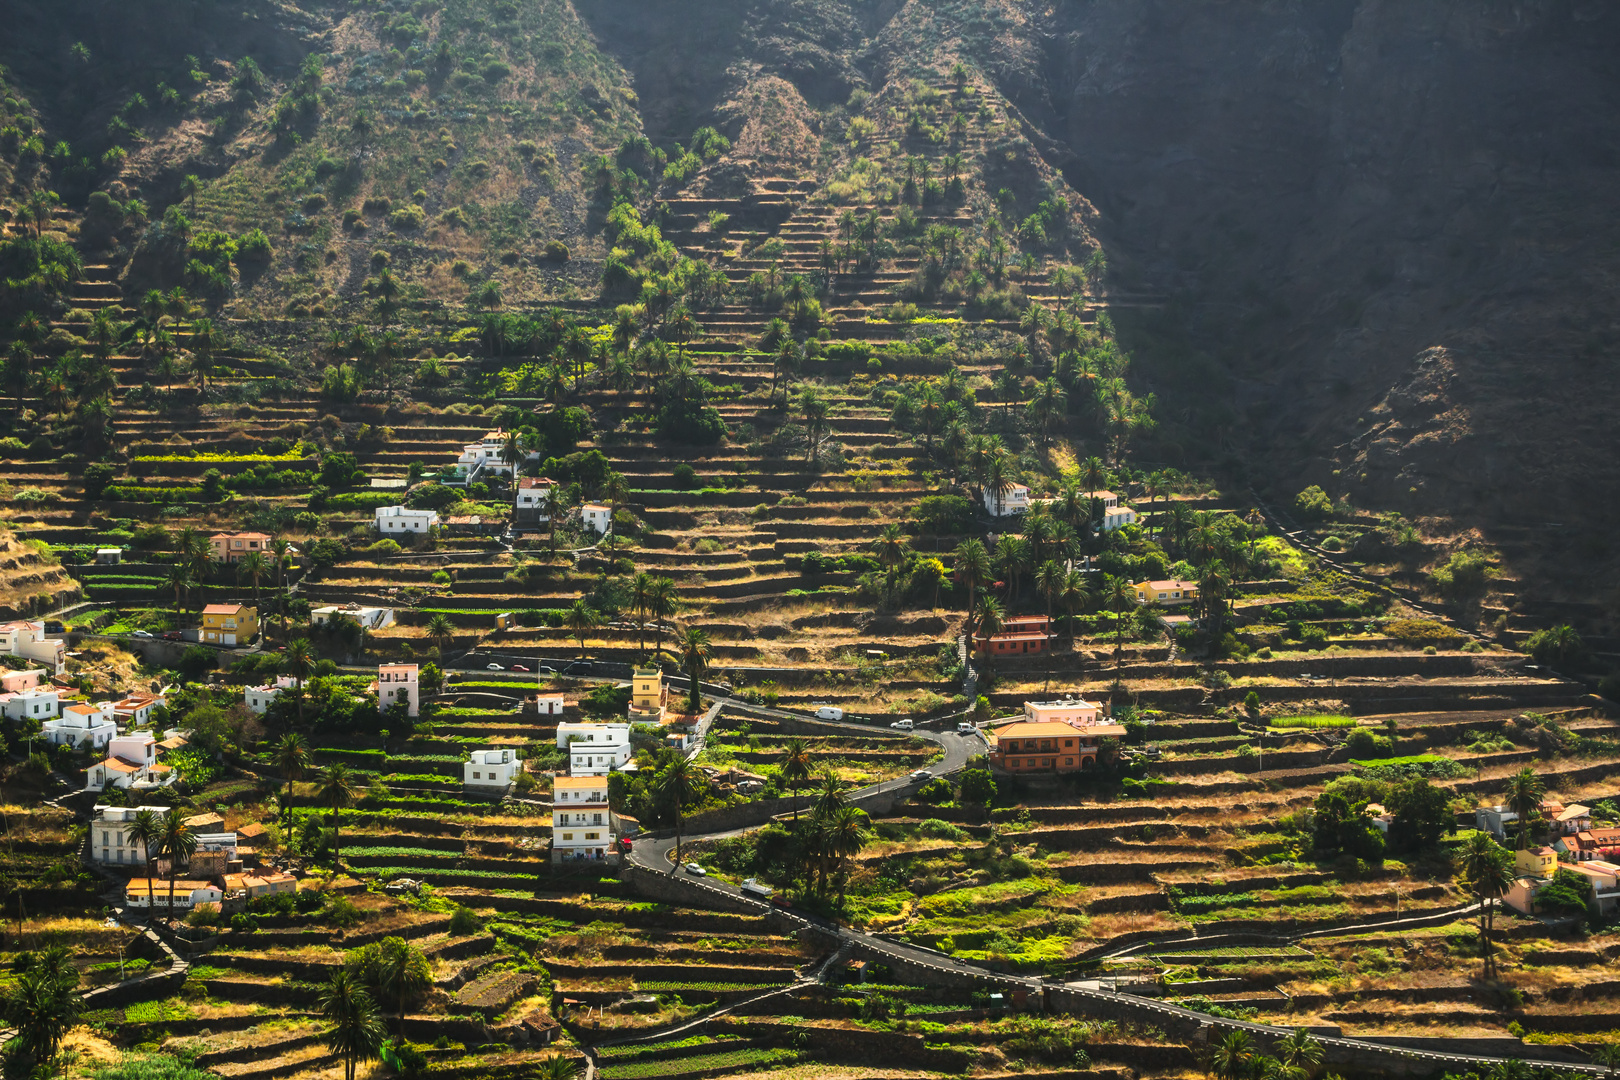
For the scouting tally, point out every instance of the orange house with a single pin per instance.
(1051, 747)
(1020, 635)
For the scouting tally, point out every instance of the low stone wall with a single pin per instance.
(152, 984)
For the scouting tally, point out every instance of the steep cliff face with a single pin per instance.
(1386, 231)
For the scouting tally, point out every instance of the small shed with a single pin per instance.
(109, 556)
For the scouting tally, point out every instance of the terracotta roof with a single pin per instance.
(1030, 729)
(1570, 813)
(201, 821)
(83, 710)
(253, 830)
(535, 482)
(162, 886)
(223, 609)
(579, 782)
(119, 766)
(1157, 585)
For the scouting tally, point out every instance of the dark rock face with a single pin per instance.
(1387, 231)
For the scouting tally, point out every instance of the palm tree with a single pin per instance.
(253, 566)
(617, 489)
(297, 659)
(581, 620)
(1233, 1057)
(1488, 872)
(1524, 794)
(147, 830)
(402, 974)
(440, 630)
(678, 783)
(843, 835)
(557, 1067)
(177, 841)
(1050, 580)
(357, 1028)
(988, 619)
(278, 550)
(795, 768)
(695, 652)
(1300, 1049)
(1119, 596)
(641, 587)
(512, 454)
(890, 546)
(180, 580)
(1608, 1055)
(972, 564)
(292, 757)
(337, 790)
(662, 604)
(1076, 595)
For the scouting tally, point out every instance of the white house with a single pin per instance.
(40, 703)
(132, 762)
(28, 640)
(110, 845)
(1012, 499)
(395, 683)
(258, 698)
(549, 704)
(394, 520)
(595, 749)
(371, 618)
(187, 894)
(581, 823)
(596, 517)
(88, 726)
(490, 768)
(1114, 515)
(1076, 712)
(534, 494)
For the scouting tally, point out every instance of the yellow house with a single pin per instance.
(1167, 593)
(1541, 862)
(647, 696)
(229, 624)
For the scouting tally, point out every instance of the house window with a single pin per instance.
(476, 776)
(568, 836)
(1046, 762)
(1068, 761)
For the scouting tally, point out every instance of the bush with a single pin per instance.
(254, 246)
(1464, 576)
(1313, 504)
(464, 921)
(685, 477)
(1363, 742)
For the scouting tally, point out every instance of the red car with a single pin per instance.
(517, 667)
(781, 901)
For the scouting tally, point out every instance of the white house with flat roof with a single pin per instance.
(597, 517)
(581, 822)
(371, 618)
(110, 843)
(258, 698)
(399, 520)
(86, 726)
(534, 495)
(495, 768)
(27, 640)
(595, 749)
(396, 683)
(1076, 712)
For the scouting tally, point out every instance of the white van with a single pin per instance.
(904, 725)
(829, 712)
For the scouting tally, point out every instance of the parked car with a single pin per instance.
(781, 902)
(829, 712)
(966, 728)
(695, 870)
(921, 774)
(172, 635)
(140, 633)
(519, 667)
(904, 725)
(493, 667)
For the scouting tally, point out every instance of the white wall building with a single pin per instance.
(88, 726)
(136, 709)
(595, 749)
(40, 703)
(581, 823)
(534, 495)
(597, 517)
(395, 683)
(187, 894)
(1114, 515)
(490, 768)
(28, 640)
(1077, 712)
(132, 762)
(1013, 499)
(371, 618)
(395, 520)
(110, 844)
(258, 698)
(549, 704)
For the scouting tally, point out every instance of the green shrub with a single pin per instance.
(1313, 504)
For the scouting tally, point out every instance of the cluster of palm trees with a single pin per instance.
(336, 787)
(834, 832)
(162, 836)
(43, 1004)
(1296, 1056)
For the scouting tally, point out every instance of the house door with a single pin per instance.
(230, 639)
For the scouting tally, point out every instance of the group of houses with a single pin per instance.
(1573, 844)
(117, 729)
(1014, 499)
(224, 870)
